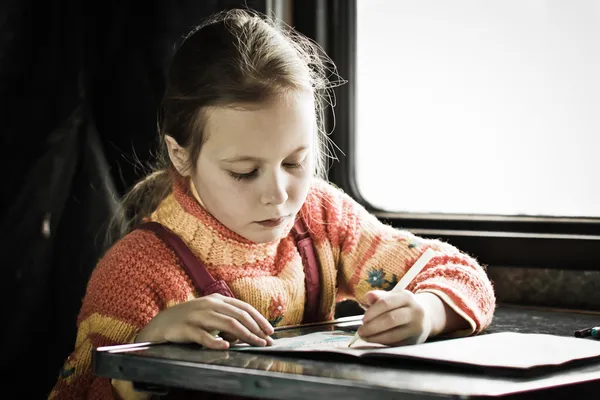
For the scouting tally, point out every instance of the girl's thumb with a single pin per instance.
(373, 296)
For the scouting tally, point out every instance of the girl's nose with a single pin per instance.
(276, 191)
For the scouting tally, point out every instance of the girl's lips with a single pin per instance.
(271, 223)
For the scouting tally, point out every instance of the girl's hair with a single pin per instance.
(235, 58)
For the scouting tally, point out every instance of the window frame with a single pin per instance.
(496, 240)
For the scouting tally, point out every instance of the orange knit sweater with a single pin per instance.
(139, 276)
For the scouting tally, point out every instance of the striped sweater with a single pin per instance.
(139, 276)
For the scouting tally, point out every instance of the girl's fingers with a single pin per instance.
(387, 301)
(392, 337)
(225, 323)
(262, 322)
(383, 322)
(229, 337)
(242, 316)
(201, 336)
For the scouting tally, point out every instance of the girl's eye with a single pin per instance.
(240, 177)
(294, 165)
(252, 174)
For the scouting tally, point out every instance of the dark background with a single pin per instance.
(80, 83)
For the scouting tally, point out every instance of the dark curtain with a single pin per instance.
(79, 86)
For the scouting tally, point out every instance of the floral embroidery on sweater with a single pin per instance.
(276, 310)
(376, 278)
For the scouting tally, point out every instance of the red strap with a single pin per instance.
(206, 284)
(311, 272)
(202, 279)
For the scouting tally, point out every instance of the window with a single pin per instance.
(486, 116)
(484, 107)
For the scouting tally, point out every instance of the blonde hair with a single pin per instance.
(236, 57)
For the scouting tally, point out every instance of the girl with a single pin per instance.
(244, 143)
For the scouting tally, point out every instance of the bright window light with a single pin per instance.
(479, 107)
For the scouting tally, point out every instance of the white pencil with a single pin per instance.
(406, 279)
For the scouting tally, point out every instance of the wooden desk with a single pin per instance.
(283, 377)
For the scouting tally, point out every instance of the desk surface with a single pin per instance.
(286, 377)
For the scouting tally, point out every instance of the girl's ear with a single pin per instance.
(178, 155)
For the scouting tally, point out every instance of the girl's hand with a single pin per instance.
(395, 318)
(193, 321)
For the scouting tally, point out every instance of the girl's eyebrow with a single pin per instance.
(244, 158)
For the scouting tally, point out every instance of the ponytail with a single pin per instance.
(140, 202)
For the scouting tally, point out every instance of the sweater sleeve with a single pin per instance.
(125, 291)
(375, 256)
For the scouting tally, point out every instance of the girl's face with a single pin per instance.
(254, 170)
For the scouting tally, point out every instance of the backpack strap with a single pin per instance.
(206, 284)
(202, 279)
(311, 272)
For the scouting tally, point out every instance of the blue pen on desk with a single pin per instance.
(593, 331)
